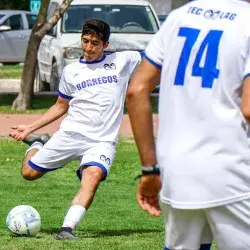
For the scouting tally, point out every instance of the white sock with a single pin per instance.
(35, 144)
(74, 216)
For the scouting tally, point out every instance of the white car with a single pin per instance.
(15, 30)
(133, 23)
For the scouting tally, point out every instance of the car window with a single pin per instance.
(121, 18)
(15, 22)
(31, 20)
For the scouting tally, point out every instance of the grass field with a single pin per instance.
(41, 103)
(114, 222)
(11, 71)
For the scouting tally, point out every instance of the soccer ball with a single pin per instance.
(23, 220)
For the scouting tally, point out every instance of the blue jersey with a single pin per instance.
(203, 51)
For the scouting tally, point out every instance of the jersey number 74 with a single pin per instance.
(210, 46)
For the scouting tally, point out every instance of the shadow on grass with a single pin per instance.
(105, 233)
(25, 236)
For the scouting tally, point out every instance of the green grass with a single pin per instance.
(113, 222)
(11, 71)
(42, 102)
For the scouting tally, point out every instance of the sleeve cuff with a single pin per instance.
(246, 76)
(157, 65)
(63, 95)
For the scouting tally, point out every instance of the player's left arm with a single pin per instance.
(146, 78)
(144, 81)
(245, 102)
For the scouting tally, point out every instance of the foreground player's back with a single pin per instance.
(202, 139)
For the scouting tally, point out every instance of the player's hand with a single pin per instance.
(20, 132)
(147, 194)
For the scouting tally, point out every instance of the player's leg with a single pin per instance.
(186, 229)
(230, 225)
(94, 168)
(54, 154)
(92, 176)
(36, 142)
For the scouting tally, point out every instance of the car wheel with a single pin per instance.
(54, 77)
(39, 84)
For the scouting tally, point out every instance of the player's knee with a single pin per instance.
(94, 175)
(29, 174)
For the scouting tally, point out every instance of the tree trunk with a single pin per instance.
(41, 27)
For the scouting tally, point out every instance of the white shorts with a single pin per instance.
(64, 147)
(228, 226)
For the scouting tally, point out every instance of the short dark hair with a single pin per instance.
(97, 27)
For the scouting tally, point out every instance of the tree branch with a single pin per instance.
(41, 27)
(51, 22)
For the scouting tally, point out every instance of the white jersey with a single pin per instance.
(203, 50)
(97, 91)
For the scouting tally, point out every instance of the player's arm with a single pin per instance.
(60, 107)
(143, 82)
(146, 78)
(57, 110)
(20, 132)
(245, 104)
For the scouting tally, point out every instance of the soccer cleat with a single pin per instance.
(31, 138)
(66, 234)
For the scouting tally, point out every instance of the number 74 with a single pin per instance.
(208, 72)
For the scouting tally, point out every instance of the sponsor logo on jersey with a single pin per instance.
(97, 81)
(105, 159)
(109, 66)
(212, 14)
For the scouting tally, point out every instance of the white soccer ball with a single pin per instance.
(23, 220)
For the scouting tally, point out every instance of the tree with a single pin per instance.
(41, 27)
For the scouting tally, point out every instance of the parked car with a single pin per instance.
(162, 18)
(15, 29)
(133, 23)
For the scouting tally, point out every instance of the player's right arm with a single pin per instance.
(245, 98)
(245, 104)
(20, 132)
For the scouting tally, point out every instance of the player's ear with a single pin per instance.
(105, 44)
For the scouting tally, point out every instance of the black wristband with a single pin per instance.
(150, 170)
(153, 169)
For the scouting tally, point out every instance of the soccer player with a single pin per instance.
(201, 56)
(92, 91)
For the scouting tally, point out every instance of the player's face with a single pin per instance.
(93, 47)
